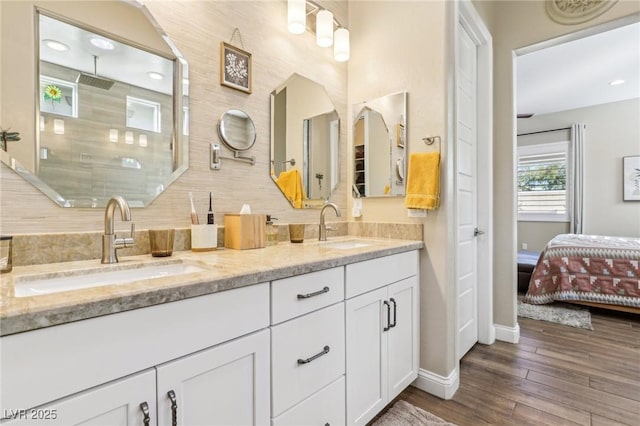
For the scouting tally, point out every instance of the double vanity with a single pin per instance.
(312, 333)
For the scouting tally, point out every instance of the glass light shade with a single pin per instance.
(297, 16)
(324, 28)
(142, 140)
(128, 138)
(341, 48)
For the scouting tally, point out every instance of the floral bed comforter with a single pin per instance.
(589, 268)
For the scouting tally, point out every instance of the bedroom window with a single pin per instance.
(543, 186)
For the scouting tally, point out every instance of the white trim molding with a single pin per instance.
(508, 334)
(435, 384)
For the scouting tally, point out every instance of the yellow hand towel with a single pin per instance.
(423, 181)
(290, 183)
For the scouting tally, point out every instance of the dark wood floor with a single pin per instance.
(556, 375)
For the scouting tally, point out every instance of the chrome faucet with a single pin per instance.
(322, 231)
(109, 241)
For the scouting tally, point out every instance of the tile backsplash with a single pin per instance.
(33, 249)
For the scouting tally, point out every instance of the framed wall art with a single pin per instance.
(235, 67)
(631, 178)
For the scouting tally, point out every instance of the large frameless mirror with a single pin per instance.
(380, 146)
(112, 111)
(305, 141)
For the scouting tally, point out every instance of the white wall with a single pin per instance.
(612, 132)
(401, 46)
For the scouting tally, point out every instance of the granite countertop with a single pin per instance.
(223, 269)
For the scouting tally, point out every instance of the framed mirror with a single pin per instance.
(236, 130)
(111, 110)
(305, 142)
(380, 146)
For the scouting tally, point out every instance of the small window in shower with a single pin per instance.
(143, 114)
(58, 96)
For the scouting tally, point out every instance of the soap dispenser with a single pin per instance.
(271, 231)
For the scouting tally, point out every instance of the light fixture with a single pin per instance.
(297, 11)
(324, 28)
(341, 50)
(297, 16)
(616, 82)
(102, 43)
(155, 75)
(55, 45)
(113, 135)
(42, 123)
(142, 140)
(128, 138)
(58, 127)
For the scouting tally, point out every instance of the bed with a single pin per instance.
(588, 269)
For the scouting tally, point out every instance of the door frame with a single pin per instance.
(469, 18)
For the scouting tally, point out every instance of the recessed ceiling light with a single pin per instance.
(56, 45)
(616, 82)
(155, 75)
(102, 43)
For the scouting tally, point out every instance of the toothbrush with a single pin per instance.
(194, 215)
(210, 213)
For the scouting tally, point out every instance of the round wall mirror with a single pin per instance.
(236, 129)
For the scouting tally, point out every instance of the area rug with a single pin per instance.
(404, 414)
(558, 312)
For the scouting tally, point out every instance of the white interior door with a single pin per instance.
(466, 192)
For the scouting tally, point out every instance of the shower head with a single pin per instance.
(94, 80)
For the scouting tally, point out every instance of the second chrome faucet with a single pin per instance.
(322, 231)
(109, 241)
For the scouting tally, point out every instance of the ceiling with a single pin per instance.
(577, 74)
(124, 63)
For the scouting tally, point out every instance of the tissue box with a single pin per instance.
(244, 231)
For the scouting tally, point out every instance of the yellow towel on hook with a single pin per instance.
(290, 183)
(423, 181)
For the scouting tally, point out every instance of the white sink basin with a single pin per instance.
(346, 244)
(54, 283)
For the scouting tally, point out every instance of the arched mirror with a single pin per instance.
(236, 130)
(111, 110)
(380, 146)
(305, 141)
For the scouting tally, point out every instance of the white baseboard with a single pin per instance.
(440, 386)
(508, 334)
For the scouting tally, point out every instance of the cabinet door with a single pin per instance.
(403, 335)
(224, 385)
(366, 317)
(114, 404)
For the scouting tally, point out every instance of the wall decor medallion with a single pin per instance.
(571, 12)
(235, 67)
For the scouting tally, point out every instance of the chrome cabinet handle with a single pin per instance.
(174, 408)
(315, 293)
(144, 407)
(388, 326)
(395, 308)
(324, 351)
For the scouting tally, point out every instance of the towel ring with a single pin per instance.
(429, 140)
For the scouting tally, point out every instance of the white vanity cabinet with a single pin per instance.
(212, 351)
(224, 385)
(382, 338)
(307, 349)
(119, 403)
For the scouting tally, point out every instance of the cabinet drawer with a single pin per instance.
(375, 273)
(324, 407)
(306, 339)
(295, 296)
